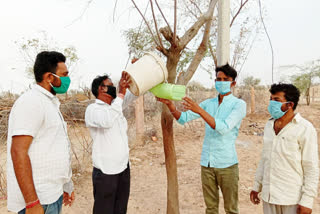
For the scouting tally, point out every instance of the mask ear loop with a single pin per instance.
(290, 102)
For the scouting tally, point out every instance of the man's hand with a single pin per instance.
(124, 83)
(38, 209)
(68, 199)
(134, 60)
(303, 210)
(189, 104)
(165, 101)
(254, 197)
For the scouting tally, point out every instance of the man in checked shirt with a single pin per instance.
(39, 159)
(288, 172)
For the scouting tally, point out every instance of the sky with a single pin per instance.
(293, 27)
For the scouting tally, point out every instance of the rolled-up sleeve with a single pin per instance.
(236, 115)
(310, 165)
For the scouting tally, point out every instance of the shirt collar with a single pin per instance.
(100, 102)
(42, 90)
(297, 118)
(226, 98)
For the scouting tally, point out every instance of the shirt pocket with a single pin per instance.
(289, 147)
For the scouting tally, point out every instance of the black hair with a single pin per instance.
(291, 92)
(47, 61)
(227, 70)
(96, 83)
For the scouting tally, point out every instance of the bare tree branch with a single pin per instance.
(196, 6)
(242, 4)
(167, 34)
(163, 15)
(144, 18)
(185, 77)
(175, 22)
(114, 10)
(81, 15)
(190, 10)
(214, 56)
(156, 25)
(193, 30)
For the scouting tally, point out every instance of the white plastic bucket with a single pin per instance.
(147, 72)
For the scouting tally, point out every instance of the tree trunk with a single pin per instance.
(313, 95)
(168, 143)
(171, 162)
(308, 96)
(139, 115)
(253, 101)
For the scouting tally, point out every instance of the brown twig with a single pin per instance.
(156, 25)
(163, 15)
(144, 18)
(175, 22)
(242, 4)
(214, 56)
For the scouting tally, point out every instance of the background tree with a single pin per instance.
(250, 81)
(183, 54)
(309, 74)
(29, 48)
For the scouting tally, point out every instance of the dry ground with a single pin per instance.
(148, 174)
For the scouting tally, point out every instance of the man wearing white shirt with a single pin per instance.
(110, 150)
(288, 172)
(39, 160)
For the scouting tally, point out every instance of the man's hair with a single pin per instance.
(96, 83)
(47, 61)
(291, 92)
(227, 70)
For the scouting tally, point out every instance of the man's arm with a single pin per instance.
(104, 118)
(221, 126)
(310, 166)
(23, 170)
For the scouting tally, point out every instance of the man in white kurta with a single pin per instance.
(288, 172)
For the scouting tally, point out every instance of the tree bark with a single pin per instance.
(168, 141)
(253, 101)
(171, 162)
(308, 96)
(139, 114)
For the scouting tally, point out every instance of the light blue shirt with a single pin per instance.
(218, 148)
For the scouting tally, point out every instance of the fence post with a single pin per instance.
(253, 101)
(139, 114)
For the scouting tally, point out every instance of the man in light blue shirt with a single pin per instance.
(219, 162)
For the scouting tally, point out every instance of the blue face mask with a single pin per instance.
(223, 87)
(274, 109)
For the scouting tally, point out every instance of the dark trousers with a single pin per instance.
(110, 192)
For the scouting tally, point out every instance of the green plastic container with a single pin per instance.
(169, 91)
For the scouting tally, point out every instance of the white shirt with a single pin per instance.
(108, 129)
(36, 113)
(288, 171)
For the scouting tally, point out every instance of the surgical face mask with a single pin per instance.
(274, 109)
(112, 91)
(223, 87)
(65, 83)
